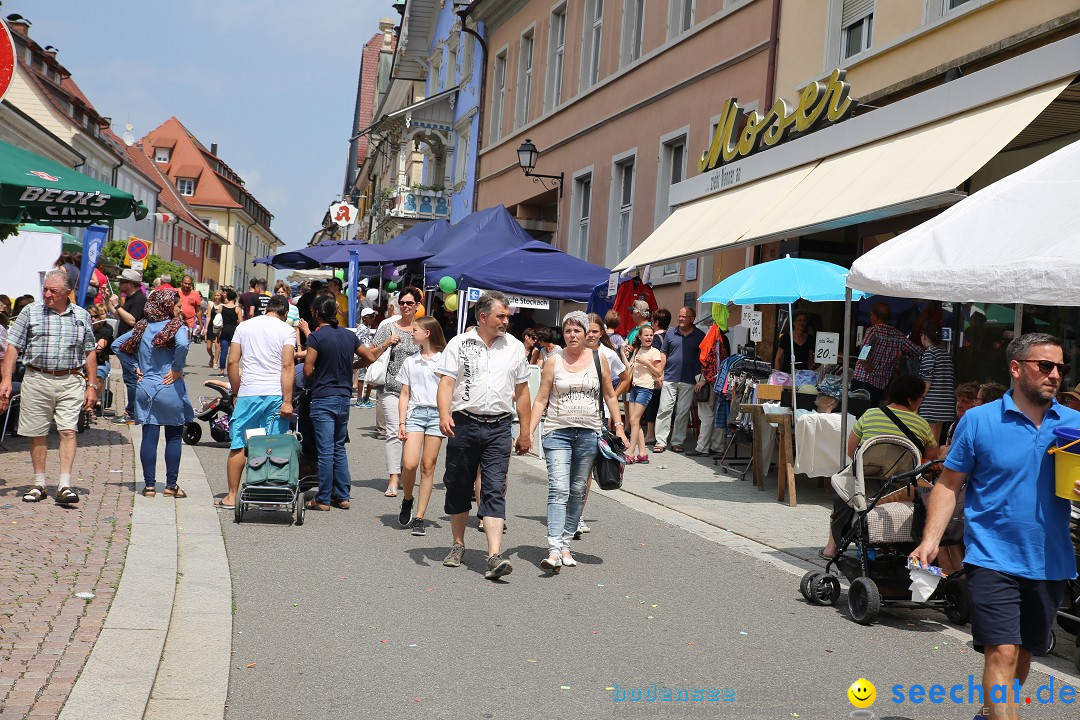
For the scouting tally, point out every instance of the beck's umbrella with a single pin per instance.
(36, 189)
(784, 281)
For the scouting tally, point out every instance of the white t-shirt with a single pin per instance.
(615, 363)
(419, 374)
(261, 338)
(486, 377)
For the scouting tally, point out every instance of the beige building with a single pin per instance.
(950, 96)
(620, 99)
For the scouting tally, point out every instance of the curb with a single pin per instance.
(165, 648)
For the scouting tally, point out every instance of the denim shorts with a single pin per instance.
(103, 371)
(255, 411)
(423, 419)
(640, 395)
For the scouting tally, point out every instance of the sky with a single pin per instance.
(273, 83)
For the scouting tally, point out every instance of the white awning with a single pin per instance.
(914, 170)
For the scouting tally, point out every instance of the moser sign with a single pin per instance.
(740, 134)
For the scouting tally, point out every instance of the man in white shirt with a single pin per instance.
(261, 372)
(484, 374)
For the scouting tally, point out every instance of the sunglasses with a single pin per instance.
(1046, 367)
(406, 303)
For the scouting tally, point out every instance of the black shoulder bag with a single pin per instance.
(608, 471)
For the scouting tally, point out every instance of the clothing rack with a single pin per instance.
(743, 377)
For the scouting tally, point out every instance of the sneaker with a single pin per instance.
(497, 567)
(358, 403)
(582, 527)
(418, 527)
(455, 556)
(405, 515)
(367, 404)
(124, 419)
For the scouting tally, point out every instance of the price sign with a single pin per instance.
(613, 284)
(946, 334)
(755, 326)
(826, 350)
(746, 310)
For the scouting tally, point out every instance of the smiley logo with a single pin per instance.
(862, 693)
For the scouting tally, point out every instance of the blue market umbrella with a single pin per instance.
(784, 281)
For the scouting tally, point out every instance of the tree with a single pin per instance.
(154, 266)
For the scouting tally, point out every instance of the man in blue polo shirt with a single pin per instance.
(1019, 554)
(682, 365)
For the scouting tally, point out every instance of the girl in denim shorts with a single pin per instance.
(646, 365)
(419, 427)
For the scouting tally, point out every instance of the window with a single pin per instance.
(672, 172)
(435, 73)
(162, 155)
(622, 183)
(467, 58)
(633, 30)
(590, 51)
(556, 55)
(185, 186)
(497, 96)
(582, 209)
(461, 153)
(856, 27)
(952, 5)
(680, 17)
(198, 247)
(525, 73)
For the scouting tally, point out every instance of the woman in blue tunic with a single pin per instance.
(156, 348)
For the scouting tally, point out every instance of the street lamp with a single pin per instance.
(527, 155)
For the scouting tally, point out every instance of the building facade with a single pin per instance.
(617, 97)
(219, 200)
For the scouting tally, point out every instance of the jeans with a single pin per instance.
(130, 381)
(570, 455)
(675, 399)
(329, 417)
(223, 353)
(148, 453)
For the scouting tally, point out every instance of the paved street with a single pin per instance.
(350, 616)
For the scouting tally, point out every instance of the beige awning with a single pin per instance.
(917, 169)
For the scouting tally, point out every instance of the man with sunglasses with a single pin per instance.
(1019, 554)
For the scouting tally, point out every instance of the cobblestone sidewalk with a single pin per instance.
(49, 553)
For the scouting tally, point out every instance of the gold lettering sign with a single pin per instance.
(740, 134)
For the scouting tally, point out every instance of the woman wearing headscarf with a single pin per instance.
(156, 349)
(572, 386)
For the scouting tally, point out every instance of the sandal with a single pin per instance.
(390, 492)
(340, 504)
(312, 505)
(149, 491)
(35, 494)
(175, 492)
(658, 448)
(220, 504)
(66, 496)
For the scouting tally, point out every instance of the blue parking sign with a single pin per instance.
(474, 294)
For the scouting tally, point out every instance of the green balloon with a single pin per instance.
(391, 286)
(447, 284)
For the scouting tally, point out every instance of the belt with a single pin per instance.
(56, 373)
(485, 418)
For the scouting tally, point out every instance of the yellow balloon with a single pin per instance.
(451, 303)
(420, 312)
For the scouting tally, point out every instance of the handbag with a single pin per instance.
(610, 460)
(219, 321)
(701, 394)
(376, 371)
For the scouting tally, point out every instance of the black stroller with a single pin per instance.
(1068, 616)
(882, 535)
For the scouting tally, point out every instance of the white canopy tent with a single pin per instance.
(1015, 241)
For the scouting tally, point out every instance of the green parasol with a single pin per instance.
(36, 189)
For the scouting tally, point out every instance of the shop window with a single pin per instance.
(582, 209)
(525, 74)
(497, 96)
(680, 17)
(590, 50)
(556, 56)
(856, 27)
(633, 30)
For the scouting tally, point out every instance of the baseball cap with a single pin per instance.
(366, 311)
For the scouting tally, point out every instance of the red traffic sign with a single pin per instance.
(138, 249)
(7, 59)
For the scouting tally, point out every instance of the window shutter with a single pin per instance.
(855, 9)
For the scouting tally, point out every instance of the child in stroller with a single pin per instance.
(882, 535)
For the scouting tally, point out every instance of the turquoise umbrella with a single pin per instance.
(783, 282)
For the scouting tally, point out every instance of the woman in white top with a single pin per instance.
(569, 400)
(396, 336)
(419, 413)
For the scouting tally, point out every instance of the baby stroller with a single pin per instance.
(1068, 616)
(272, 478)
(882, 535)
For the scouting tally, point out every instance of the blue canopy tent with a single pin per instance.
(534, 268)
(350, 254)
(475, 239)
(416, 237)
